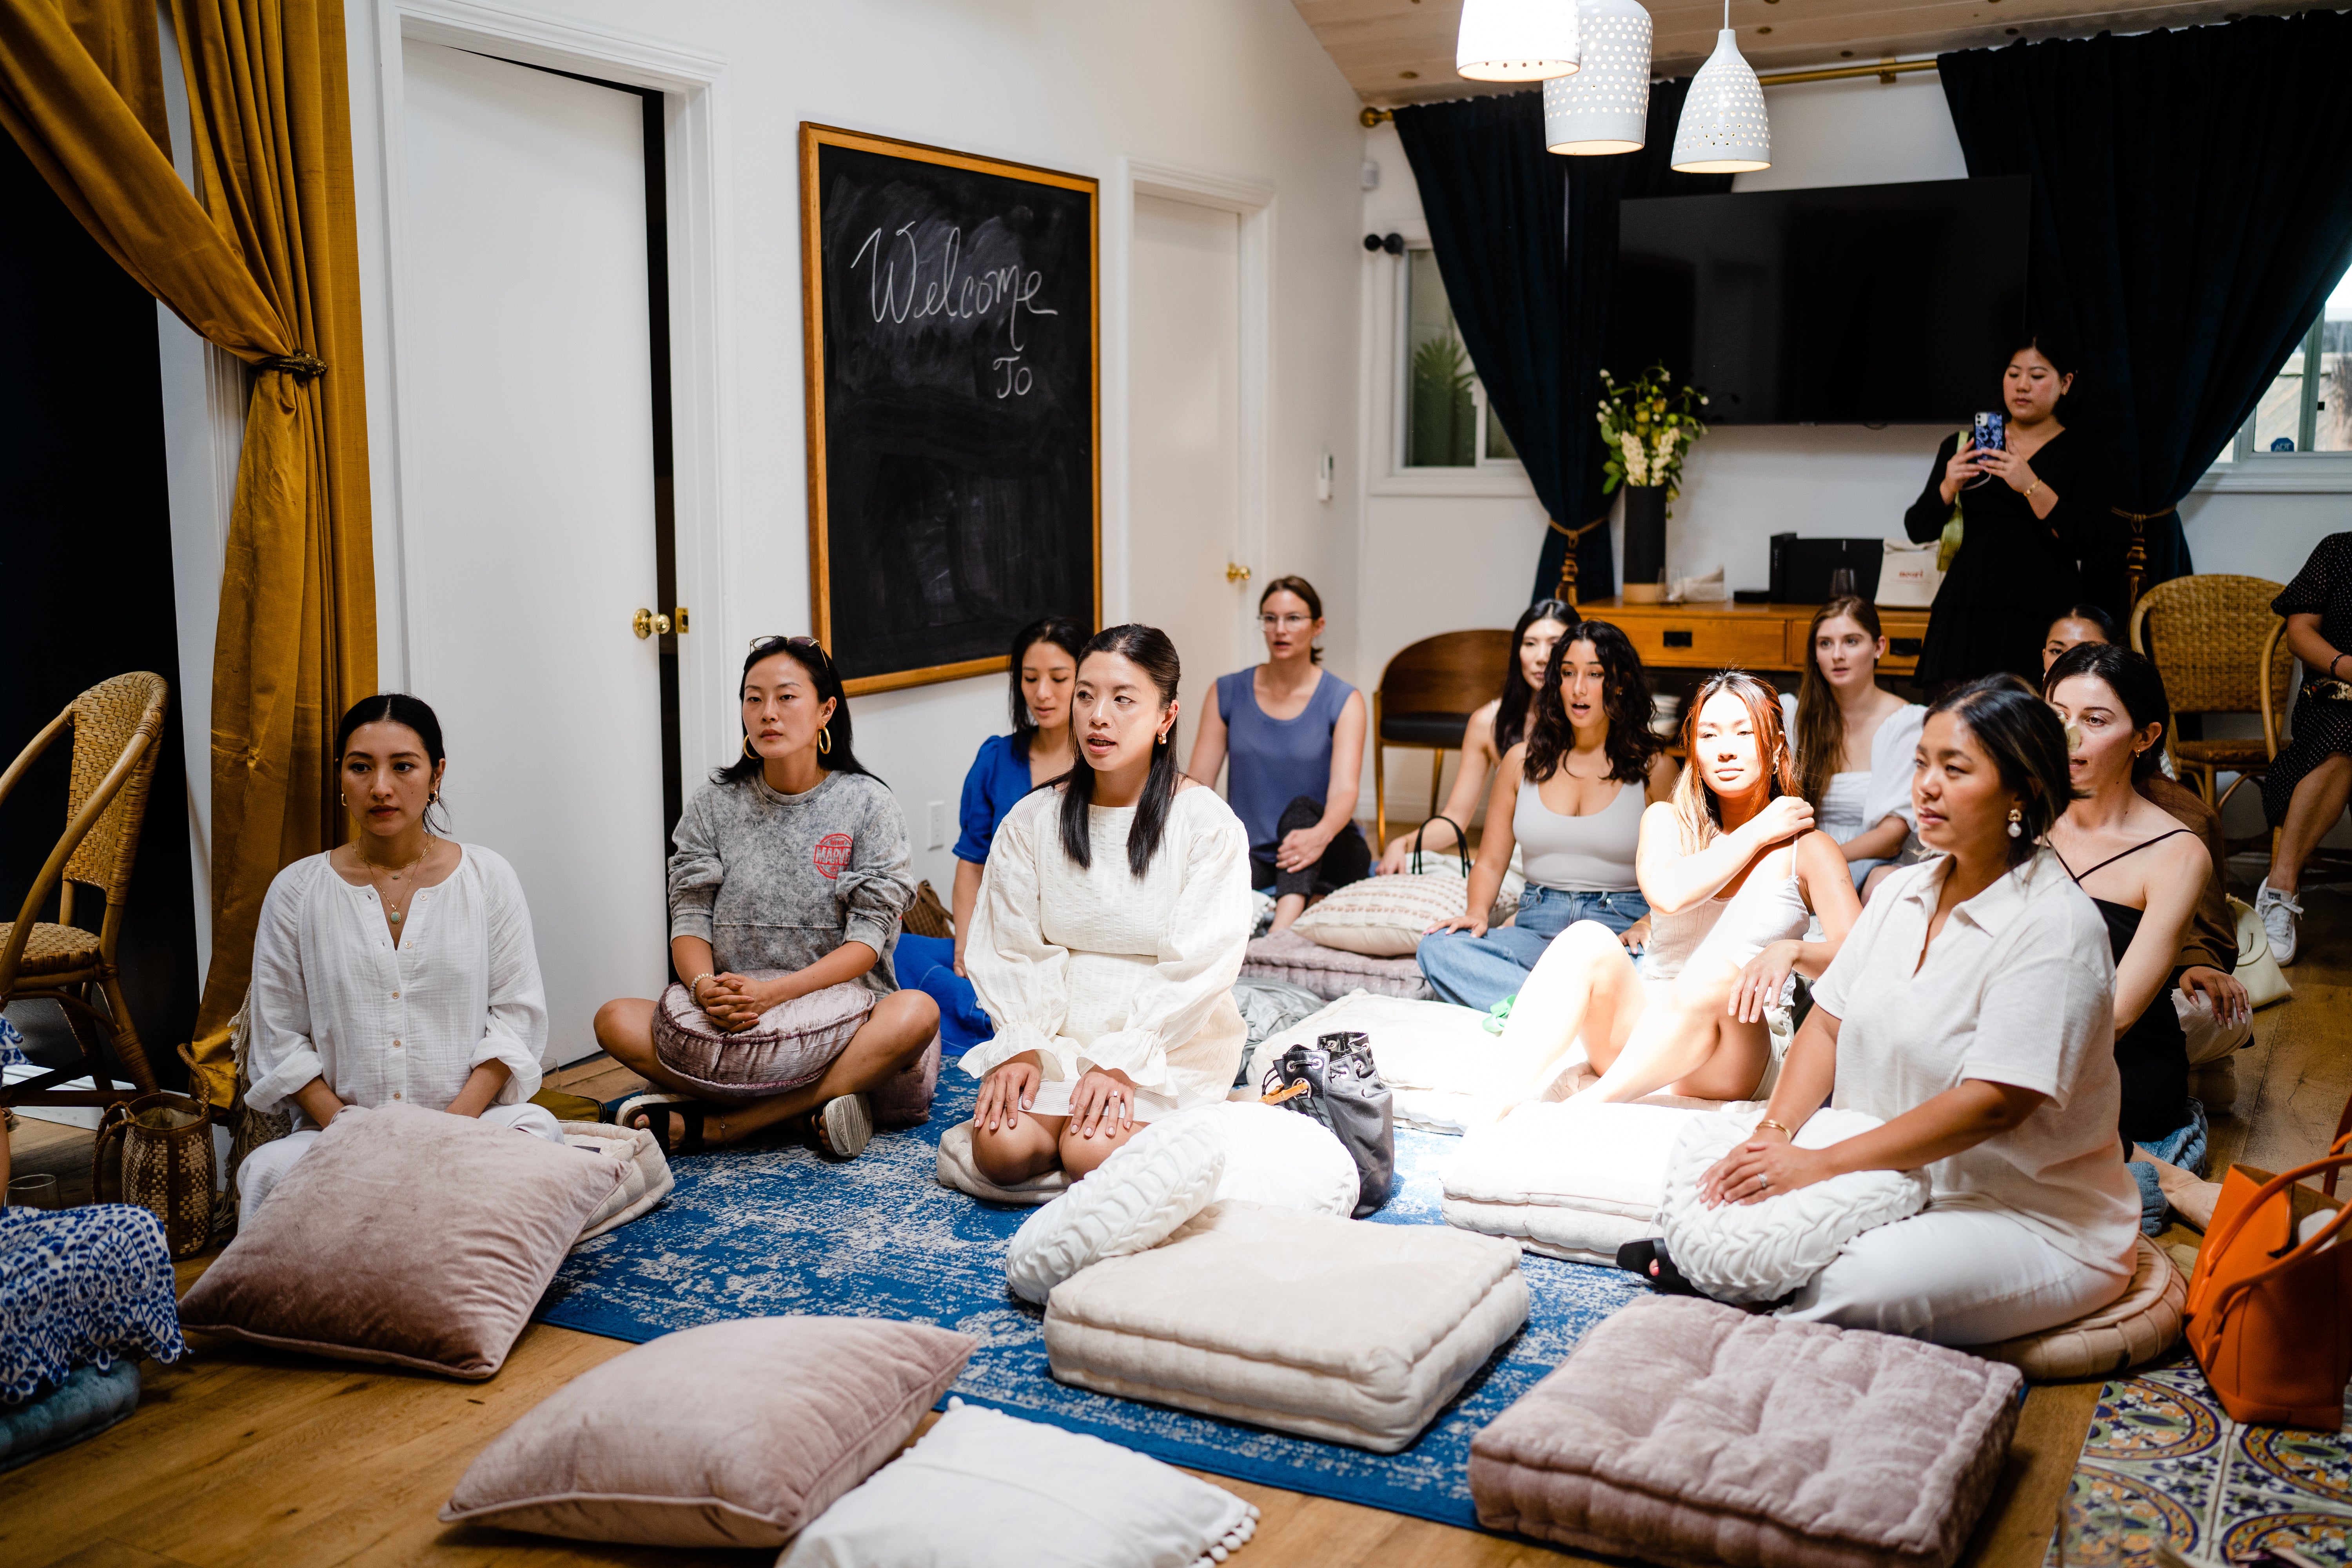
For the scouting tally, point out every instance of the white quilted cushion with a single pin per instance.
(1761, 1251)
(1158, 1179)
(648, 1180)
(955, 1169)
(1436, 1058)
(1280, 1158)
(1572, 1181)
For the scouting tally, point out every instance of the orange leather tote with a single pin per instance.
(2270, 1321)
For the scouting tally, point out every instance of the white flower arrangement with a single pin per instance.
(1649, 426)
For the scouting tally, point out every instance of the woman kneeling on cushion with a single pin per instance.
(790, 876)
(395, 970)
(1109, 931)
(1972, 1009)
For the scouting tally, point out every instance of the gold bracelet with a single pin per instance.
(1789, 1131)
(2030, 490)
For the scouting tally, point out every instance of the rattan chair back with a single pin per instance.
(105, 720)
(2206, 637)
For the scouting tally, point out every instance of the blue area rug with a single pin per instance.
(773, 1231)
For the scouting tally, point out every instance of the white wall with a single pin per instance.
(1231, 88)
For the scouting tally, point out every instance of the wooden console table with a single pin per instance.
(1753, 636)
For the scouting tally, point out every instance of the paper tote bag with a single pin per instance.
(2269, 1318)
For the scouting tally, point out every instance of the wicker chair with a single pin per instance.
(2212, 637)
(116, 726)
(1426, 698)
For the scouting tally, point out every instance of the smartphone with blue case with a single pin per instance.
(1990, 435)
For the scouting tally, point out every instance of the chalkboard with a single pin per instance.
(955, 490)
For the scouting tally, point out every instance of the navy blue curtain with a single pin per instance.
(2192, 206)
(1526, 242)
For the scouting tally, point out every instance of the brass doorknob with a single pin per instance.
(1237, 573)
(646, 623)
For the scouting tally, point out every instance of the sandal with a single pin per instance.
(843, 1126)
(1648, 1258)
(658, 1108)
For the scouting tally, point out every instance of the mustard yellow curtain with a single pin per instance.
(267, 267)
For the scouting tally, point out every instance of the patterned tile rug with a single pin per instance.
(777, 1230)
(2164, 1464)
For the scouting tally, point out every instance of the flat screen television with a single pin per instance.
(1848, 305)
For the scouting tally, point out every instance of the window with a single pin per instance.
(1447, 424)
(2308, 405)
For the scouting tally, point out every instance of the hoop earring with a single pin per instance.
(824, 742)
(2016, 821)
(747, 751)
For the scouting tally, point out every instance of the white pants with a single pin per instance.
(267, 1166)
(1955, 1277)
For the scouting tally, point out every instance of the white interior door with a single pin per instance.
(1184, 439)
(527, 504)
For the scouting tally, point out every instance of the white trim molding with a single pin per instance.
(2280, 473)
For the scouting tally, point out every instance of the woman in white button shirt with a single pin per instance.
(1972, 1009)
(395, 970)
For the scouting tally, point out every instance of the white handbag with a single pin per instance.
(1909, 577)
(2258, 970)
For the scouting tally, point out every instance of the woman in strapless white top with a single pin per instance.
(1855, 742)
(1569, 799)
(1735, 872)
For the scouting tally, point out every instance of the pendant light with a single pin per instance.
(1605, 106)
(1515, 40)
(1723, 129)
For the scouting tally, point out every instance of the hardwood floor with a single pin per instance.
(239, 1455)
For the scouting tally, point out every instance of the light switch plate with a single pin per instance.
(941, 825)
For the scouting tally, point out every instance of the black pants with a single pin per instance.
(1346, 859)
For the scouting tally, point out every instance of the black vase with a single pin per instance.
(1645, 535)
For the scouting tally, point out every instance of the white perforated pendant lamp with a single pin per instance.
(1723, 129)
(1605, 106)
(1515, 40)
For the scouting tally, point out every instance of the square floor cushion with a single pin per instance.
(409, 1238)
(1350, 1332)
(1328, 971)
(955, 1167)
(648, 1180)
(983, 1489)
(87, 1402)
(734, 1434)
(1686, 1432)
(1569, 1181)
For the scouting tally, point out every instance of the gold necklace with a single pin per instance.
(392, 910)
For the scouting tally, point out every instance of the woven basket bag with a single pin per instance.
(163, 1165)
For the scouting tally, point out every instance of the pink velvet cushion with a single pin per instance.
(406, 1236)
(904, 1098)
(792, 1045)
(733, 1434)
(1686, 1432)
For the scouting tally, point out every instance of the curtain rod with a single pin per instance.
(1885, 70)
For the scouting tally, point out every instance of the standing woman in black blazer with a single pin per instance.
(2034, 523)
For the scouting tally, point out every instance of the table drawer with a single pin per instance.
(1707, 642)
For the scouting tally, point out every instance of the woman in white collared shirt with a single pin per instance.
(1972, 1009)
(397, 970)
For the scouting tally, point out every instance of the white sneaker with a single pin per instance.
(2279, 913)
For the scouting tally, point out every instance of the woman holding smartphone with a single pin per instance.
(2033, 509)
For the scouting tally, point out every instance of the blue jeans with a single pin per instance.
(1480, 971)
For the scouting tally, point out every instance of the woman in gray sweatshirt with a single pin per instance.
(790, 875)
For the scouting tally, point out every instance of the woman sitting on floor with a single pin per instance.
(2145, 870)
(397, 969)
(1734, 873)
(1108, 934)
(1492, 732)
(789, 875)
(1972, 1009)
(1570, 797)
(1854, 739)
(1295, 732)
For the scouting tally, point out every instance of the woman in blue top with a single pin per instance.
(1296, 735)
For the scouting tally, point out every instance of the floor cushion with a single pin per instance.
(1150, 1184)
(1436, 1058)
(1348, 1333)
(957, 1170)
(733, 1434)
(87, 1402)
(792, 1045)
(648, 1180)
(1683, 1431)
(1761, 1251)
(2133, 1330)
(1575, 1181)
(78, 1287)
(985, 1489)
(1279, 1158)
(1330, 973)
(904, 1098)
(408, 1238)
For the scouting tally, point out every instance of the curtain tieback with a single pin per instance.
(1574, 534)
(301, 367)
(2137, 518)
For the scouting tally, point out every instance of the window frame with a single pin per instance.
(2246, 469)
(1485, 475)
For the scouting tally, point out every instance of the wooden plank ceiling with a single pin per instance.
(1402, 51)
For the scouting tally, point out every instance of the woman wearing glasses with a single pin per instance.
(791, 876)
(1295, 734)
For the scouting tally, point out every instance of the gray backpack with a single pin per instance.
(1334, 1083)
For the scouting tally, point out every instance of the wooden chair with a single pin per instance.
(116, 726)
(1425, 699)
(2212, 637)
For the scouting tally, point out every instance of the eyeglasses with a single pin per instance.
(1284, 622)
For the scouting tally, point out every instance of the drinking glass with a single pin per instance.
(1842, 583)
(34, 1191)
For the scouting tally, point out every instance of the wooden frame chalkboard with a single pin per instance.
(951, 314)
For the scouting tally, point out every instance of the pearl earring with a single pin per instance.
(2016, 817)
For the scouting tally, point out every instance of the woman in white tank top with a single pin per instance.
(1855, 740)
(1734, 871)
(1569, 799)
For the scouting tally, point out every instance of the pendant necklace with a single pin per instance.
(392, 911)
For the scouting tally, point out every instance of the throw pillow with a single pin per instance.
(792, 1045)
(1158, 1179)
(734, 1434)
(985, 1491)
(410, 1238)
(1328, 971)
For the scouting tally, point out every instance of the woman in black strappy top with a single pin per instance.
(2145, 870)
